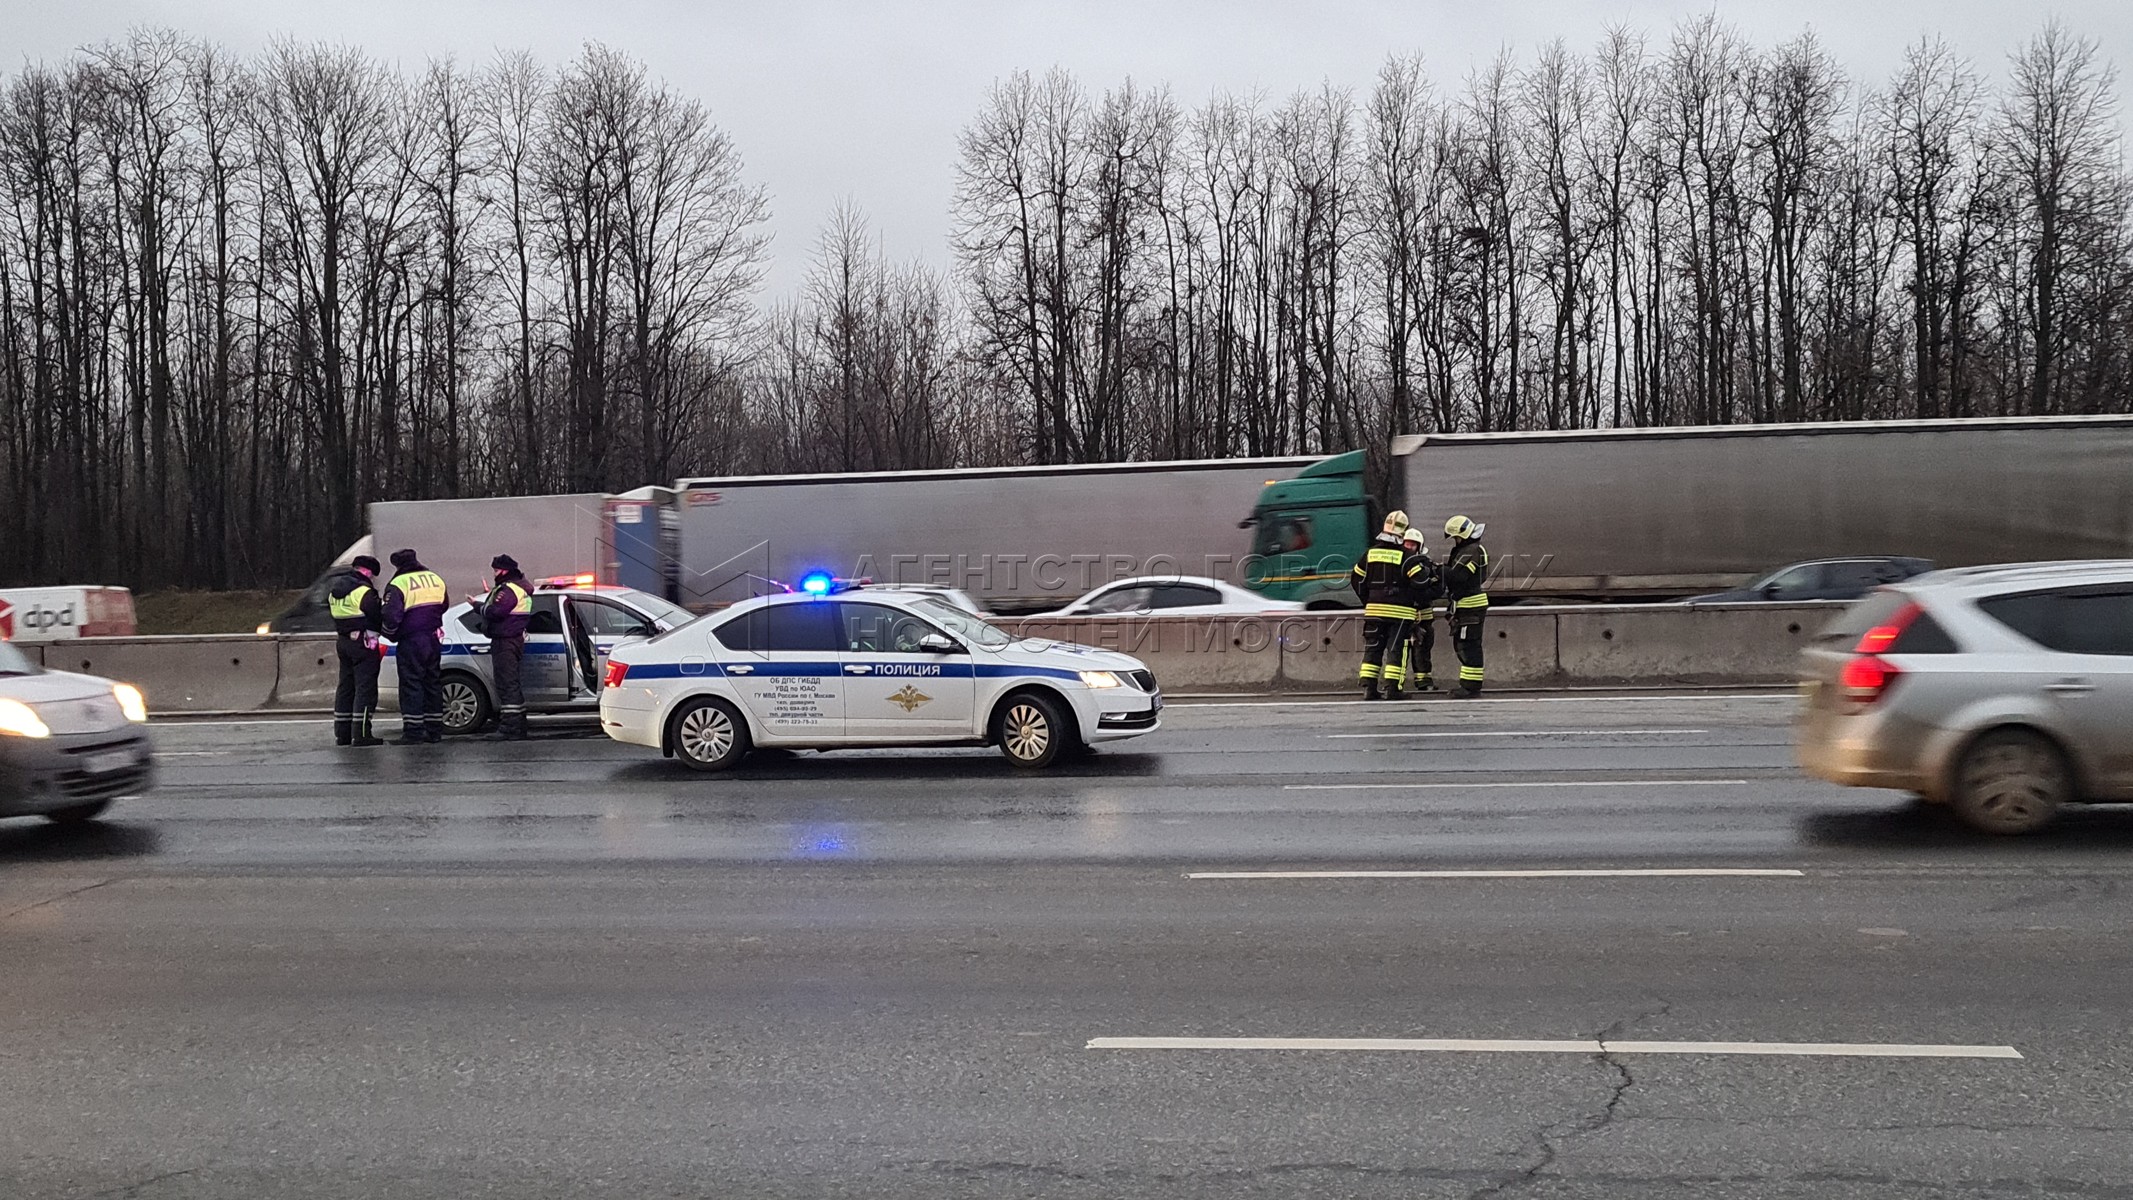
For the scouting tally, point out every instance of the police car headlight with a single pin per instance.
(1102, 679)
(131, 702)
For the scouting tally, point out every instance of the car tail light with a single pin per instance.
(1882, 636)
(1867, 678)
(616, 673)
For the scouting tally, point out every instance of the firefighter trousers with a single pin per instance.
(355, 695)
(1466, 644)
(1384, 638)
(1418, 664)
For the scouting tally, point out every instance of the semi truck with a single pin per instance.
(1617, 514)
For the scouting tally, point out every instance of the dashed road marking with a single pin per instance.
(1527, 783)
(1524, 733)
(1535, 873)
(1560, 1046)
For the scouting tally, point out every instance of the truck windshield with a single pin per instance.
(960, 623)
(15, 662)
(1281, 533)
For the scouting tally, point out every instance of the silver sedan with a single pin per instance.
(69, 744)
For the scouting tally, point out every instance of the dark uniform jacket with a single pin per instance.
(353, 603)
(414, 604)
(1425, 588)
(1385, 576)
(1466, 575)
(509, 607)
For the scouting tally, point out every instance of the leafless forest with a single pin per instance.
(240, 297)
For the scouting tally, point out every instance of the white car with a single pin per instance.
(1173, 596)
(867, 669)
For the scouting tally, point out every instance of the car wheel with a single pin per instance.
(1033, 730)
(78, 813)
(709, 735)
(2011, 781)
(466, 705)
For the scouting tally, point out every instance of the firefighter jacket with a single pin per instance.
(1425, 588)
(414, 604)
(353, 604)
(1466, 575)
(1385, 576)
(509, 606)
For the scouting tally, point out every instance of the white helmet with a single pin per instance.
(1413, 536)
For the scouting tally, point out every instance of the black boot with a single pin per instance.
(1394, 693)
(1371, 693)
(411, 735)
(343, 730)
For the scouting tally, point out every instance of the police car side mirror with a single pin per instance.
(938, 643)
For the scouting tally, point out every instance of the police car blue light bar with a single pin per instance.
(816, 583)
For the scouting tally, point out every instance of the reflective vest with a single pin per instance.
(1385, 578)
(350, 606)
(524, 604)
(420, 588)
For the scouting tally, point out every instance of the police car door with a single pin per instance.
(598, 626)
(546, 668)
(895, 688)
(782, 663)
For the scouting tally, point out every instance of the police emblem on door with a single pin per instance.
(909, 698)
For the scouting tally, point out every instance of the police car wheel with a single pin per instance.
(1033, 730)
(466, 706)
(709, 735)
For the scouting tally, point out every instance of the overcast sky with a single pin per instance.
(862, 101)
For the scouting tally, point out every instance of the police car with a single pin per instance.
(835, 667)
(574, 627)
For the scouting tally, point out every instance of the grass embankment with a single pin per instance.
(207, 612)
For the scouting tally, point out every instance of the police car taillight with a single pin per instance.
(616, 673)
(585, 580)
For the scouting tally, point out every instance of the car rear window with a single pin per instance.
(1921, 634)
(1875, 609)
(2084, 621)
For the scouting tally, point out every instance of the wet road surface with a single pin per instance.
(570, 969)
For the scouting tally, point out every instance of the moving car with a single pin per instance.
(69, 744)
(575, 626)
(867, 668)
(2004, 692)
(1173, 596)
(1822, 579)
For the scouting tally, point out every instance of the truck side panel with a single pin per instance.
(1013, 539)
(1677, 512)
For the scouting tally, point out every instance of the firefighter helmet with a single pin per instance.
(1462, 529)
(1396, 521)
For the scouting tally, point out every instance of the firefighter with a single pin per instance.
(353, 604)
(504, 614)
(1427, 588)
(1466, 575)
(1383, 579)
(414, 620)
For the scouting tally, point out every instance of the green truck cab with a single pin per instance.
(1308, 532)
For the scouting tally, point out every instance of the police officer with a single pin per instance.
(1427, 588)
(414, 620)
(504, 614)
(353, 604)
(1466, 574)
(1383, 578)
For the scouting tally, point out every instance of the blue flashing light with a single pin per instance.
(816, 583)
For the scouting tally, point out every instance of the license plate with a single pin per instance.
(107, 762)
(1158, 703)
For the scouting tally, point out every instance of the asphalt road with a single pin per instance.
(567, 969)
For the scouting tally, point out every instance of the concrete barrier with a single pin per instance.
(1632, 645)
(180, 674)
(1677, 643)
(307, 671)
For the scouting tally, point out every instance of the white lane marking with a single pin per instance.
(1559, 1046)
(179, 721)
(1517, 733)
(1538, 873)
(1595, 698)
(194, 753)
(1534, 783)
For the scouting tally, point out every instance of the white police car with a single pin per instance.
(574, 627)
(866, 668)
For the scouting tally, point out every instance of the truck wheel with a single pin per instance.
(466, 705)
(77, 814)
(709, 735)
(1033, 730)
(2010, 781)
